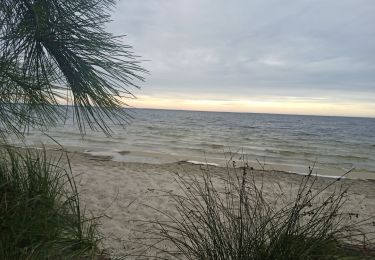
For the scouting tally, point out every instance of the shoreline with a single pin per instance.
(159, 158)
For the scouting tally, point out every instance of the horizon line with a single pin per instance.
(258, 113)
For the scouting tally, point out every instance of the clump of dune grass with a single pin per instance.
(233, 217)
(40, 212)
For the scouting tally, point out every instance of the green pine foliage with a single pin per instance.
(57, 51)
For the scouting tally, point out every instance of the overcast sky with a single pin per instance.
(274, 56)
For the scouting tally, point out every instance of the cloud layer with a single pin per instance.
(230, 50)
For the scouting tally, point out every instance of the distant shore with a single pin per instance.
(120, 191)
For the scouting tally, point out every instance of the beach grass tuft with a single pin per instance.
(233, 217)
(40, 212)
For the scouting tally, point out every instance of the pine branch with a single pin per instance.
(51, 45)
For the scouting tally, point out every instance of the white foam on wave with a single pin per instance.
(202, 163)
(322, 175)
(116, 156)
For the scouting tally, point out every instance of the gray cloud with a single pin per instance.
(264, 47)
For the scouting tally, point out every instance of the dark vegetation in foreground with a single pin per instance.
(40, 212)
(228, 217)
(233, 218)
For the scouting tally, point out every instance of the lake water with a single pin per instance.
(286, 142)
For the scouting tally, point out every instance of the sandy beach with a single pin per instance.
(209, 130)
(124, 193)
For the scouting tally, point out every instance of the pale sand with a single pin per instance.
(120, 190)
